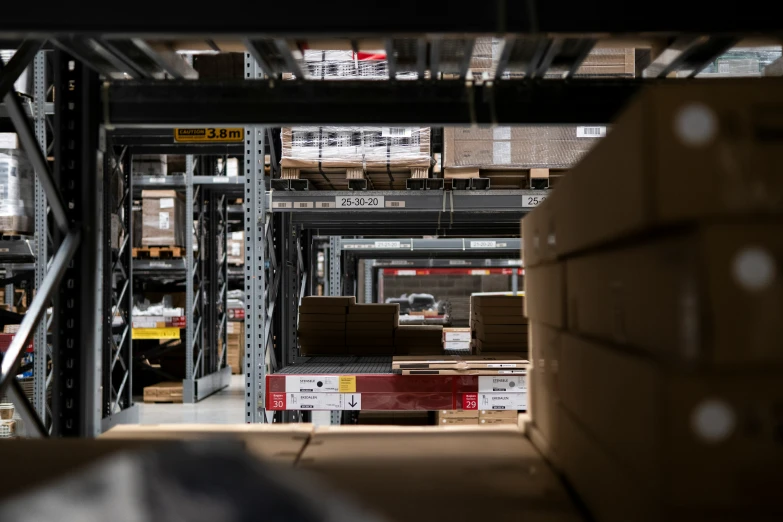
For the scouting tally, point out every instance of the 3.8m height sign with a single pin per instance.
(209, 134)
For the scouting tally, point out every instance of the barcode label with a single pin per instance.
(303, 204)
(324, 204)
(396, 132)
(395, 204)
(590, 132)
(281, 204)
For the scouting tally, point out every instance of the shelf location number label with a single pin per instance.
(532, 201)
(209, 134)
(483, 244)
(358, 201)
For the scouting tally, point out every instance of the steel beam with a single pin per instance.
(10, 72)
(446, 102)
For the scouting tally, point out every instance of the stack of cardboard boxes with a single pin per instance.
(163, 218)
(418, 340)
(477, 417)
(370, 328)
(236, 346)
(457, 339)
(322, 323)
(498, 324)
(653, 285)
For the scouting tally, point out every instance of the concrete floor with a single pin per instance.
(225, 407)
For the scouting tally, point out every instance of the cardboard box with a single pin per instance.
(150, 165)
(491, 319)
(545, 294)
(460, 362)
(517, 347)
(515, 147)
(318, 319)
(679, 155)
(464, 414)
(9, 140)
(544, 387)
(498, 414)
(322, 326)
(505, 329)
(374, 309)
(539, 236)
(499, 420)
(163, 218)
(457, 345)
(708, 296)
(499, 468)
(694, 440)
(280, 443)
(376, 320)
(235, 248)
(456, 334)
(337, 313)
(446, 421)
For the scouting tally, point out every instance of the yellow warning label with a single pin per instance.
(155, 333)
(209, 134)
(347, 384)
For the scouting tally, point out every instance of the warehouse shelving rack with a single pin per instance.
(537, 36)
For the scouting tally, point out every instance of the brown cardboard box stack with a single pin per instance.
(493, 417)
(498, 323)
(322, 325)
(236, 346)
(163, 218)
(418, 340)
(457, 339)
(370, 328)
(452, 417)
(655, 293)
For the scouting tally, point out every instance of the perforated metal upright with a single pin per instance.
(335, 283)
(42, 377)
(368, 286)
(256, 334)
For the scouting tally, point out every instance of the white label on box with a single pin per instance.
(358, 201)
(501, 133)
(457, 345)
(483, 244)
(312, 383)
(324, 204)
(387, 244)
(492, 383)
(303, 204)
(458, 336)
(395, 204)
(502, 365)
(166, 202)
(503, 401)
(281, 204)
(396, 132)
(590, 132)
(532, 201)
(236, 249)
(352, 401)
(163, 220)
(238, 236)
(501, 152)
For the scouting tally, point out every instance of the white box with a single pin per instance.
(457, 336)
(456, 345)
(9, 140)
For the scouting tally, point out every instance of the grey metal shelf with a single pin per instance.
(448, 246)
(158, 266)
(323, 364)
(446, 263)
(16, 251)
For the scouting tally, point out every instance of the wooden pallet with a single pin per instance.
(158, 252)
(338, 178)
(507, 179)
(163, 392)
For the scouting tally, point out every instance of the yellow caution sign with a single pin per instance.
(347, 384)
(209, 134)
(155, 333)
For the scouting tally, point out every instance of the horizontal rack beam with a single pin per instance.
(413, 246)
(447, 102)
(351, 19)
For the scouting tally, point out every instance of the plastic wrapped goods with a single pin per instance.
(16, 193)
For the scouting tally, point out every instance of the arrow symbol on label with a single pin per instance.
(353, 403)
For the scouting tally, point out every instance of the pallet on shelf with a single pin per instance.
(500, 178)
(158, 252)
(168, 391)
(345, 178)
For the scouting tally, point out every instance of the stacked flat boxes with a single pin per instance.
(498, 324)
(418, 340)
(457, 339)
(322, 325)
(655, 293)
(457, 417)
(370, 328)
(236, 346)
